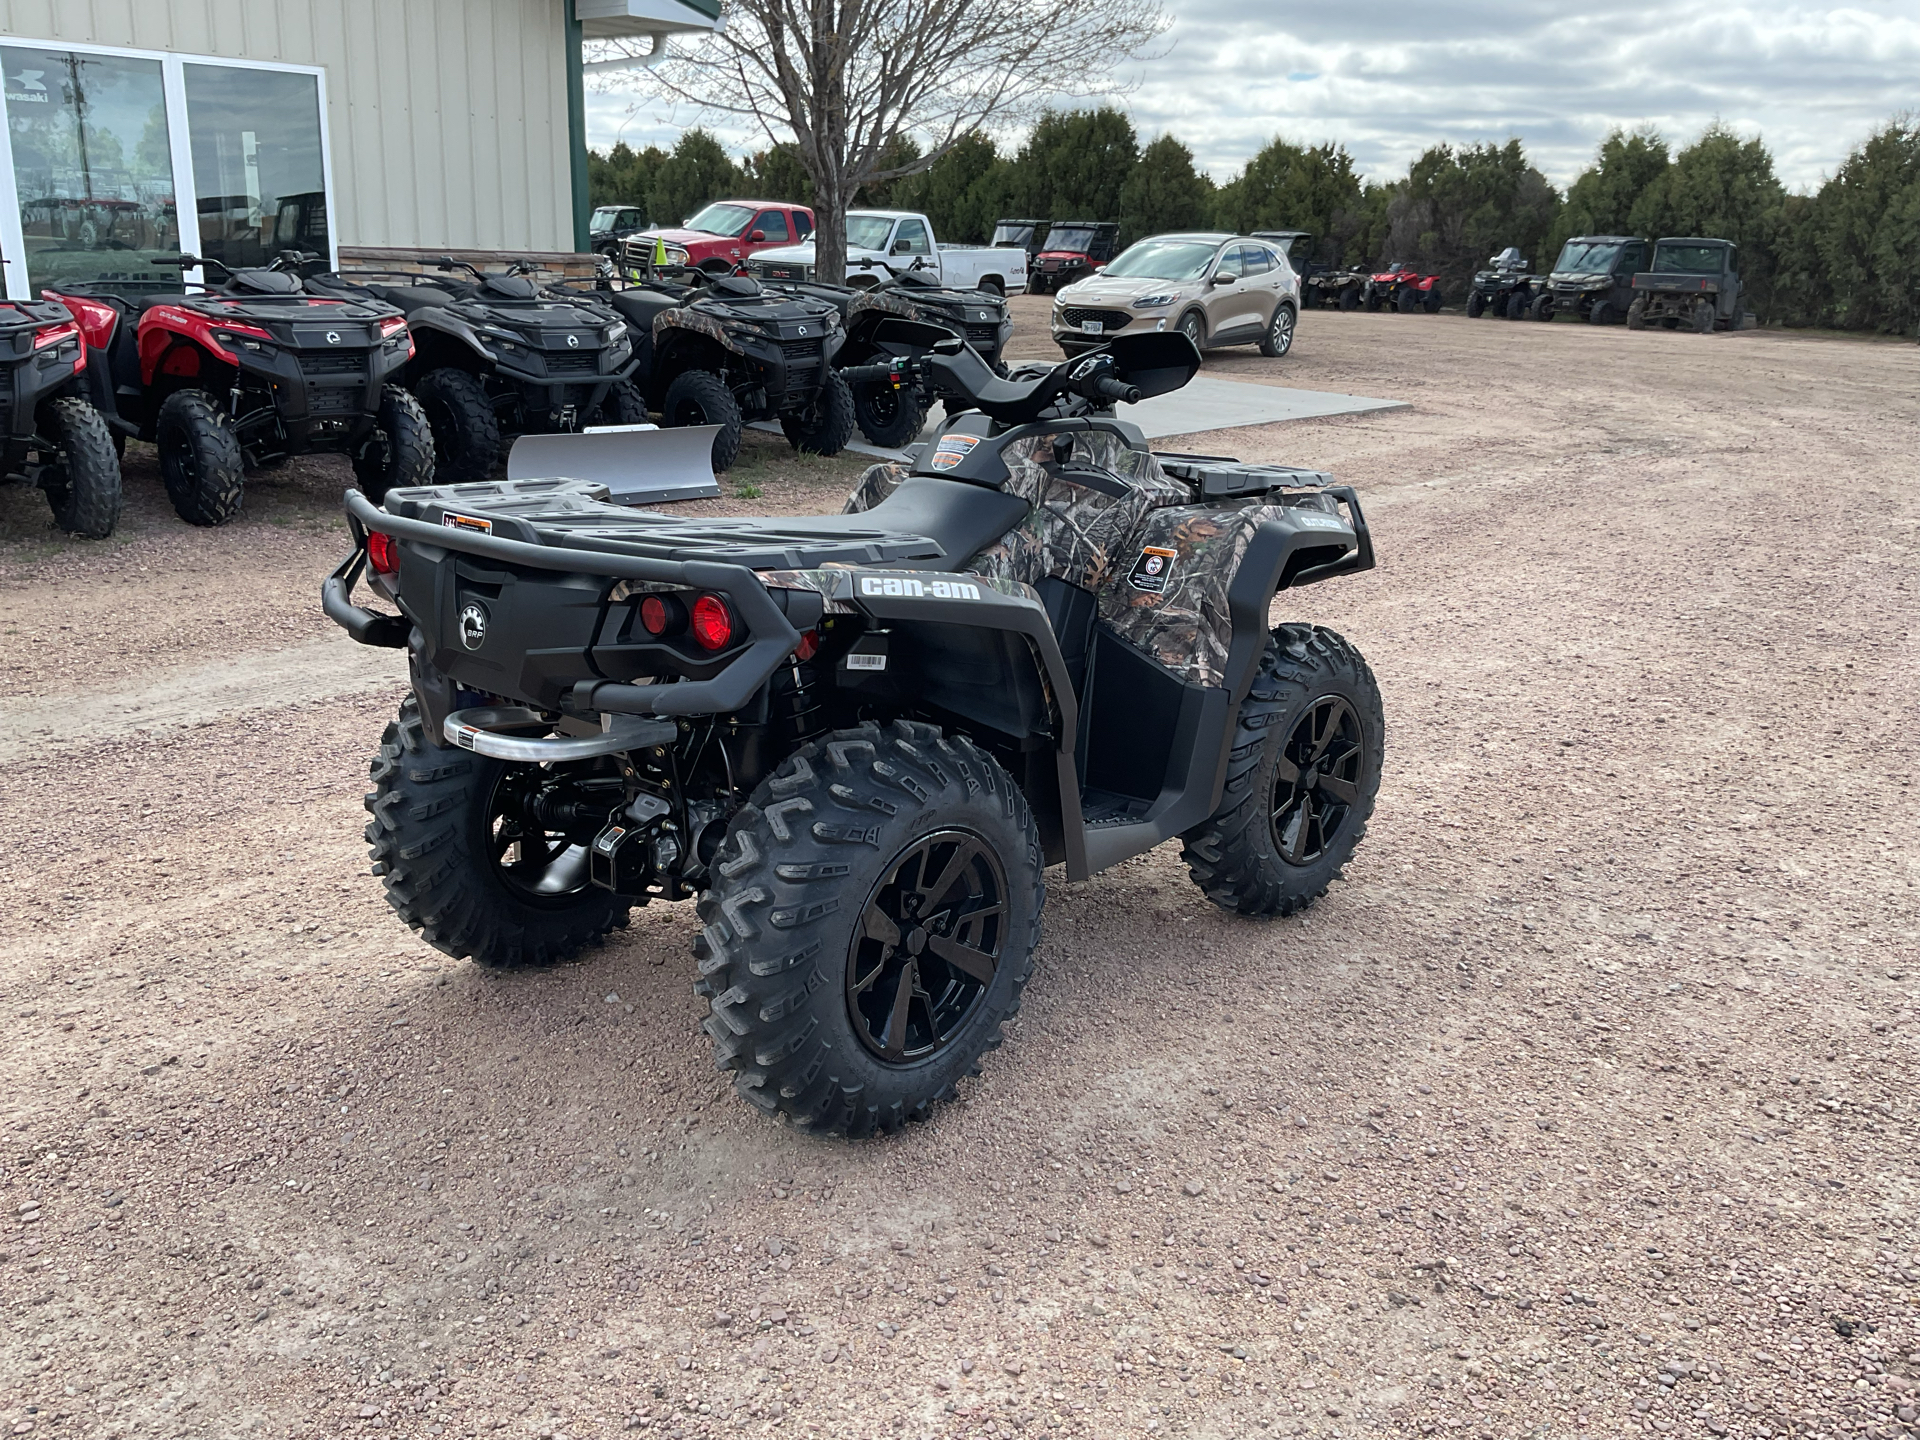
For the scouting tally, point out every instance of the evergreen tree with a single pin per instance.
(1456, 208)
(1074, 163)
(964, 192)
(1850, 255)
(1164, 192)
(1724, 188)
(1601, 201)
(1299, 187)
(697, 173)
(777, 174)
(623, 176)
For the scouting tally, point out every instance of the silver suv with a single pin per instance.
(1215, 289)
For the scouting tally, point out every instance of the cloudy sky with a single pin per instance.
(1388, 81)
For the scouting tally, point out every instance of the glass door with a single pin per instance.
(92, 167)
(258, 165)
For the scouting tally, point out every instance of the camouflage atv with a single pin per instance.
(859, 739)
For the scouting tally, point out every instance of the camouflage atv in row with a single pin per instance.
(1693, 282)
(860, 739)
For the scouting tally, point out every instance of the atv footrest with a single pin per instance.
(505, 732)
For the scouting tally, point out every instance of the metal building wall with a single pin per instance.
(448, 118)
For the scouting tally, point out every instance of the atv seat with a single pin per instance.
(638, 307)
(409, 298)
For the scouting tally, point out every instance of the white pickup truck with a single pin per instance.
(880, 242)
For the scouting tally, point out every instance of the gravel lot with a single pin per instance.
(1584, 1107)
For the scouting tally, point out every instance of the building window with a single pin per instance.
(257, 172)
(103, 150)
(92, 165)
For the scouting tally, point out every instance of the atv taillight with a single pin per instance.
(809, 645)
(662, 615)
(55, 335)
(712, 623)
(383, 553)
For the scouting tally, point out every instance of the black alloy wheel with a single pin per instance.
(532, 856)
(1316, 780)
(928, 946)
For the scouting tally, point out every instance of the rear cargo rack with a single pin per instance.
(1217, 477)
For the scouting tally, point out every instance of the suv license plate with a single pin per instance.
(1092, 327)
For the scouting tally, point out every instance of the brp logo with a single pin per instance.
(473, 625)
(801, 330)
(573, 342)
(333, 337)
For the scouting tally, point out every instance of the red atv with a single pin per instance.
(1401, 287)
(245, 374)
(50, 436)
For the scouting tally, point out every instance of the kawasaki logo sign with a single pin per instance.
(918, 589)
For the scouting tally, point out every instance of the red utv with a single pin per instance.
(1403, 288)
(245, 374)
(1075, 249)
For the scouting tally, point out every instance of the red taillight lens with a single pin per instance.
(383, 553)
(712, 623)
(663, 615)
(54, 336)
(809, 645)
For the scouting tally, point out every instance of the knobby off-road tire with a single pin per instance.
(1517, 304)
(1704, 317)
(814, 943)
(699, 397)
(1604, 312)
(1279, 337)
(432, 840)
(1637, 315)
(398, 452)
(1542, 307)
(1350, 298)
(83, 483)
(1476, 305)
(1301, 778)
(466, 430)
(1432, 301)
(200, 458)
(825, 426)
(887, 416)
(623, 405)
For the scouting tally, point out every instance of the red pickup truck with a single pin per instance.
(724, 234)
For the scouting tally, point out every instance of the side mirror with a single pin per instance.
(757, 237)
(901, 247)
(1223, 280)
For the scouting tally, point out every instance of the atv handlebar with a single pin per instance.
(1105, 388)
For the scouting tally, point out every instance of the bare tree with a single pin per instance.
(844, 79)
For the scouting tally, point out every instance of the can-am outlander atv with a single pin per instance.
(859, 738)
(246, 373)
(51, 436)
(722, 351)
(497, 356)
(892, 416)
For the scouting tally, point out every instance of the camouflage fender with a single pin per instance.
(888, 303)
(1074, 532)
(685, 318)
(1170, 598)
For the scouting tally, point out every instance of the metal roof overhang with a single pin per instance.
(626, 19)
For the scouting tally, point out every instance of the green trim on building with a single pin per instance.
(577, 130)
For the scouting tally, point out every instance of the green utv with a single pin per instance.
(1694, 283)
(860, 738)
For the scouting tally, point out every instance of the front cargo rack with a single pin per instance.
(1218, 477)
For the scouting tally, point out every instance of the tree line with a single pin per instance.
(1846, 256)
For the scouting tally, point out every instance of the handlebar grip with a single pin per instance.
(1117, 390)
(866, 374)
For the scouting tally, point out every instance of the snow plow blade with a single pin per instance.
(639, 464)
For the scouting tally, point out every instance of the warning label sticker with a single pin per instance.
(952, 449)
(1152, 570)
(466, 522)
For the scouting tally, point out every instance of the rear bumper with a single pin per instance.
(544, 617)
